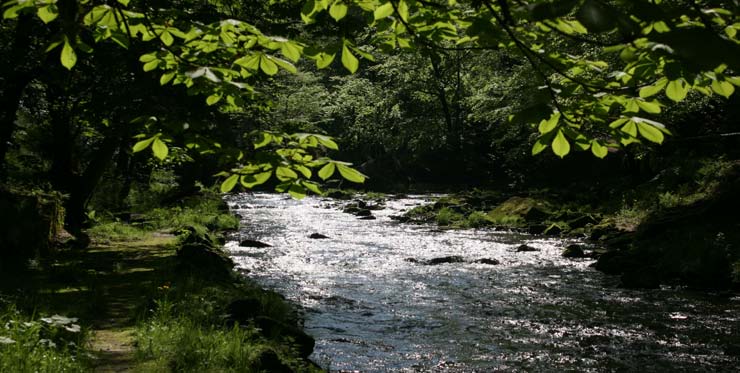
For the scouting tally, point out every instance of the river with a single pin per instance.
(372, 310)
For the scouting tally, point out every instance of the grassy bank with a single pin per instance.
(152, 293)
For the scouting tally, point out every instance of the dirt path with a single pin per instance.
(123, 275)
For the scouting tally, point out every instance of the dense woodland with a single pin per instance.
(121, 112)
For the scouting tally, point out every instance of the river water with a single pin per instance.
(372, 310)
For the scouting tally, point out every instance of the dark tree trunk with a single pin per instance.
(15, 82)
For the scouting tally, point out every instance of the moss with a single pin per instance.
(478, 219)
(516, 211)
(446, 217)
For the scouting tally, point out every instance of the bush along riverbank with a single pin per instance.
(154, 294)
(678, 229)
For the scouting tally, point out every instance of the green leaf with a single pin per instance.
(166, 77)
(649, 107)
(305, 171)
(250, 181)
(560, 145)
(326, 171)
(166, 38)
(548, 125)
(539, 146)
(351, 174)
(48, 13)
(677, 90)
(653, 89)
(68, 56)
(291, 51)
(297, 191)
(284, 64)
(338, 10)
(723, 88)
(323, 60)
(267, 66)
(159, 148)
(213, 99)
(124, 2)
(312, 187)
(266, 139)
(630, 128)
(229, 183)
(149, 66)
(143, 144)
(383, 11)
(598, 149)
(650, 133)
(349, 60)
(284, 174)
(251, 62)
(327, 142)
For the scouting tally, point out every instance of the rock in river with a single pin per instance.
(574, 251)
(526, 248)
(488, 261)
(444, 260)
(253, 243)
(318, 236)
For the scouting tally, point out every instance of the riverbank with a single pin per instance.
(152, 294)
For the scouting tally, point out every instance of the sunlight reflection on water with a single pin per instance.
(370, 309)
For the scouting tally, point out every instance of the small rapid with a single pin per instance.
(372, 309)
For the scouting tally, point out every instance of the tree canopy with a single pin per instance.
(604, 69)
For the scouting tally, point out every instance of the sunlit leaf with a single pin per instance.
(284, 174)
(143, 144)
(677, 90)
(351, 174)
(338, 10)
(560, 145)
(326, 171)
(383, 11)
(229, 183)
(598, 149)
(349, 60)
(159, 148)
(68, 56)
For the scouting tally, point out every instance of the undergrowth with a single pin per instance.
(40, 344)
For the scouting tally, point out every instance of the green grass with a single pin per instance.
(116, 231)
(184, 331)
(34, 344)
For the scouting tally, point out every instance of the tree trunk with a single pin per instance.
(14, 83)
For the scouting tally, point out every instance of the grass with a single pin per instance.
(36, 344)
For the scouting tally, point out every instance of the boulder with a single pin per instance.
(318, 236)
(582, 221)
(536, 228)
(253, 243)
(518, 210)
(204, 259)
(526, 248)
(573, 251)
(276, 330)
(370, 217)
(363, 212)
(243, 310)
(488, 261)
(553, 230)
(269, 361)
(444, 260)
